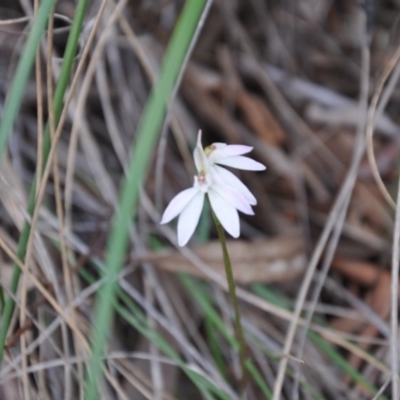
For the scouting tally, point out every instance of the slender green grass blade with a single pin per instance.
(65, 73)
(24, 67)
(129, 197)
(215, 347)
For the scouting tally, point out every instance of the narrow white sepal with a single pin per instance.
(223, 152)
(237, 150)
(241, 162)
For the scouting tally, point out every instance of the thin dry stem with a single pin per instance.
(394, 339)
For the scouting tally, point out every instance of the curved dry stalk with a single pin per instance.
(375, 112)
(13, 21)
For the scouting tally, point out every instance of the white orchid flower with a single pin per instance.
(227, 194)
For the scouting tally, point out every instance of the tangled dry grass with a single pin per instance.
(312, 85)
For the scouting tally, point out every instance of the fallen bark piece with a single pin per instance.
(272, 260)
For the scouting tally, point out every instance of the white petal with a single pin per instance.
(240, 162)
(226, 214)
(226, 177)
(236, 150)
(221, 150)
(178, 203)
(189, 218)
(233, 197)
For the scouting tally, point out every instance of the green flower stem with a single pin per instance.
(234, 300)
